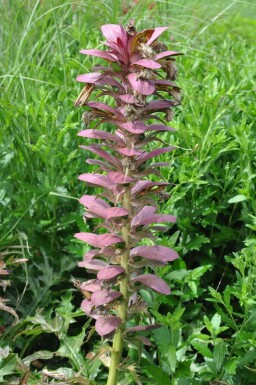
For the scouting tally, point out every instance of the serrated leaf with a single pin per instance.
(177, 314)
(71, 348)
(163, 339)
(52, 326)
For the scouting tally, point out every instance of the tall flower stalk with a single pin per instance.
(138, 82)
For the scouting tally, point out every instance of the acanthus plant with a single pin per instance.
(138, 80)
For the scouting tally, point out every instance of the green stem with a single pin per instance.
(117, 348)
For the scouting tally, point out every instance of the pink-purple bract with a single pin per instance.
(138, 80)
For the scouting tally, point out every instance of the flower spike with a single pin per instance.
(137, 77)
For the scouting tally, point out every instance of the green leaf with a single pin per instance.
(188, 381)
(202, 348)
(199, 271)
(40, 355)
(71, 348)
(247, 358)
(163, 339)
(193, 287)
(8, 365)
(211, 366)
(237, 198)
(65, 310)
(178, 275)
(171, 356)
(177, 314)
(52, 326)
(208, 324)
(197, 242)
(215, 321)
(225, 317)
(184, 369)
(215, 294)
(159, 376)
(231, 365)
(147, 296)
(219, 354)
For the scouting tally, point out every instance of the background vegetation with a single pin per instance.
(210, 318)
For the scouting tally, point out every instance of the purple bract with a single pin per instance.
(137, 78)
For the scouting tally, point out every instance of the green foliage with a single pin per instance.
(209, 320)
(217, 348)
(70, 347)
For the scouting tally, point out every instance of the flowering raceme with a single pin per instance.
(137, 80)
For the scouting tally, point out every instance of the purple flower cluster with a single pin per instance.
(138, 80)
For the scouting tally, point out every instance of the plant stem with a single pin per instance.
(117, 348)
